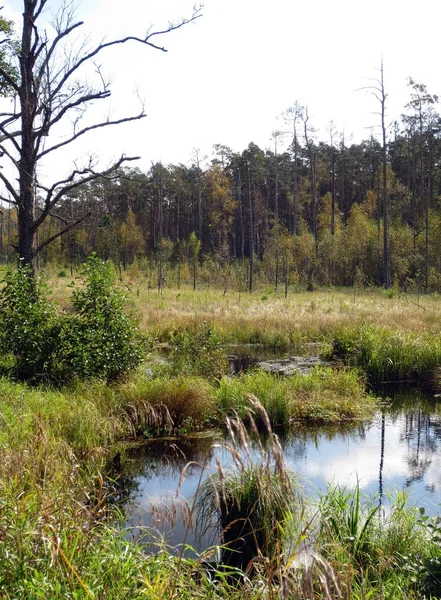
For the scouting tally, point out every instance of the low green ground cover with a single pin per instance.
(58, 541)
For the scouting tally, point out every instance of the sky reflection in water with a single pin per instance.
(410, 459)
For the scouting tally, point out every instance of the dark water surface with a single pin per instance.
(399, 450)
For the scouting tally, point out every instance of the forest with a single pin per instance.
(318, 213)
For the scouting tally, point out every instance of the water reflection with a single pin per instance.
(398, 450)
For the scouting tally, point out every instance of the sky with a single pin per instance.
(227, 78)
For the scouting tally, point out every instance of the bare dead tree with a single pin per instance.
(49, 92)
(291, 116)
(312, 155)
(334, 159)
(378, 91)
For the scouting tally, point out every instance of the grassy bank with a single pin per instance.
(54, 519)
(389, 335)
(324, 395)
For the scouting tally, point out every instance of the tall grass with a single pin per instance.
(385, 556)
(249, 502)
(323, 395)
(266, 317)
(180, 404)
(57, 540)
(386, 354)
(345, 548)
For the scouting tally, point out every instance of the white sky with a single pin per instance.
(226, 78)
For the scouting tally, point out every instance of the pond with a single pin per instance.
(400, 449)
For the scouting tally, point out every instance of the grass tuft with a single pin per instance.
(324, 395)
(388, 355)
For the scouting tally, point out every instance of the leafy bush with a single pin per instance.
(27, 322)
(100, 339)
(97, 340)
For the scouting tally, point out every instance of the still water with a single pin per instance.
(400, 449)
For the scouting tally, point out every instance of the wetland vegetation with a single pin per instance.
(60, 441)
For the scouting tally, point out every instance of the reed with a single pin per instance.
(248, 503)
(167, 404)
(56, 524)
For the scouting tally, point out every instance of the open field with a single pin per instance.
(390, 336)
(299, 315)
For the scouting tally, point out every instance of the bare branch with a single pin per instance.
(146, 40)
(70, 183)
(83, 100)
(54, 44)
(59, 217)
(10, 136)
(8, 200)
(90, 128)
(61, 232)
(40, 8)
(10, 188)
(5, 152)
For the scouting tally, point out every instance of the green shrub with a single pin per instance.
(27, 323)
(98, 340)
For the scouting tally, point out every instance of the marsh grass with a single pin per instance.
(181, 403)
(388, 355)
(262, 316)
(324, 395)
(392, 338)
(57, 540)
(249, 502)
(344, 549)
(349, 522)
(382, 555)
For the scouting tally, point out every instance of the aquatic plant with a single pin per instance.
(324, 395)
(167, 404)
(349, 521)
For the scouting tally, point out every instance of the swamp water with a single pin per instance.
(400, 449)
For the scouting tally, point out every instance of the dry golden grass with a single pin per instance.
(239, 315)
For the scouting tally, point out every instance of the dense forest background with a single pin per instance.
(313, 214)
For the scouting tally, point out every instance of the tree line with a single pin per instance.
(313, 213)
(307, 211)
